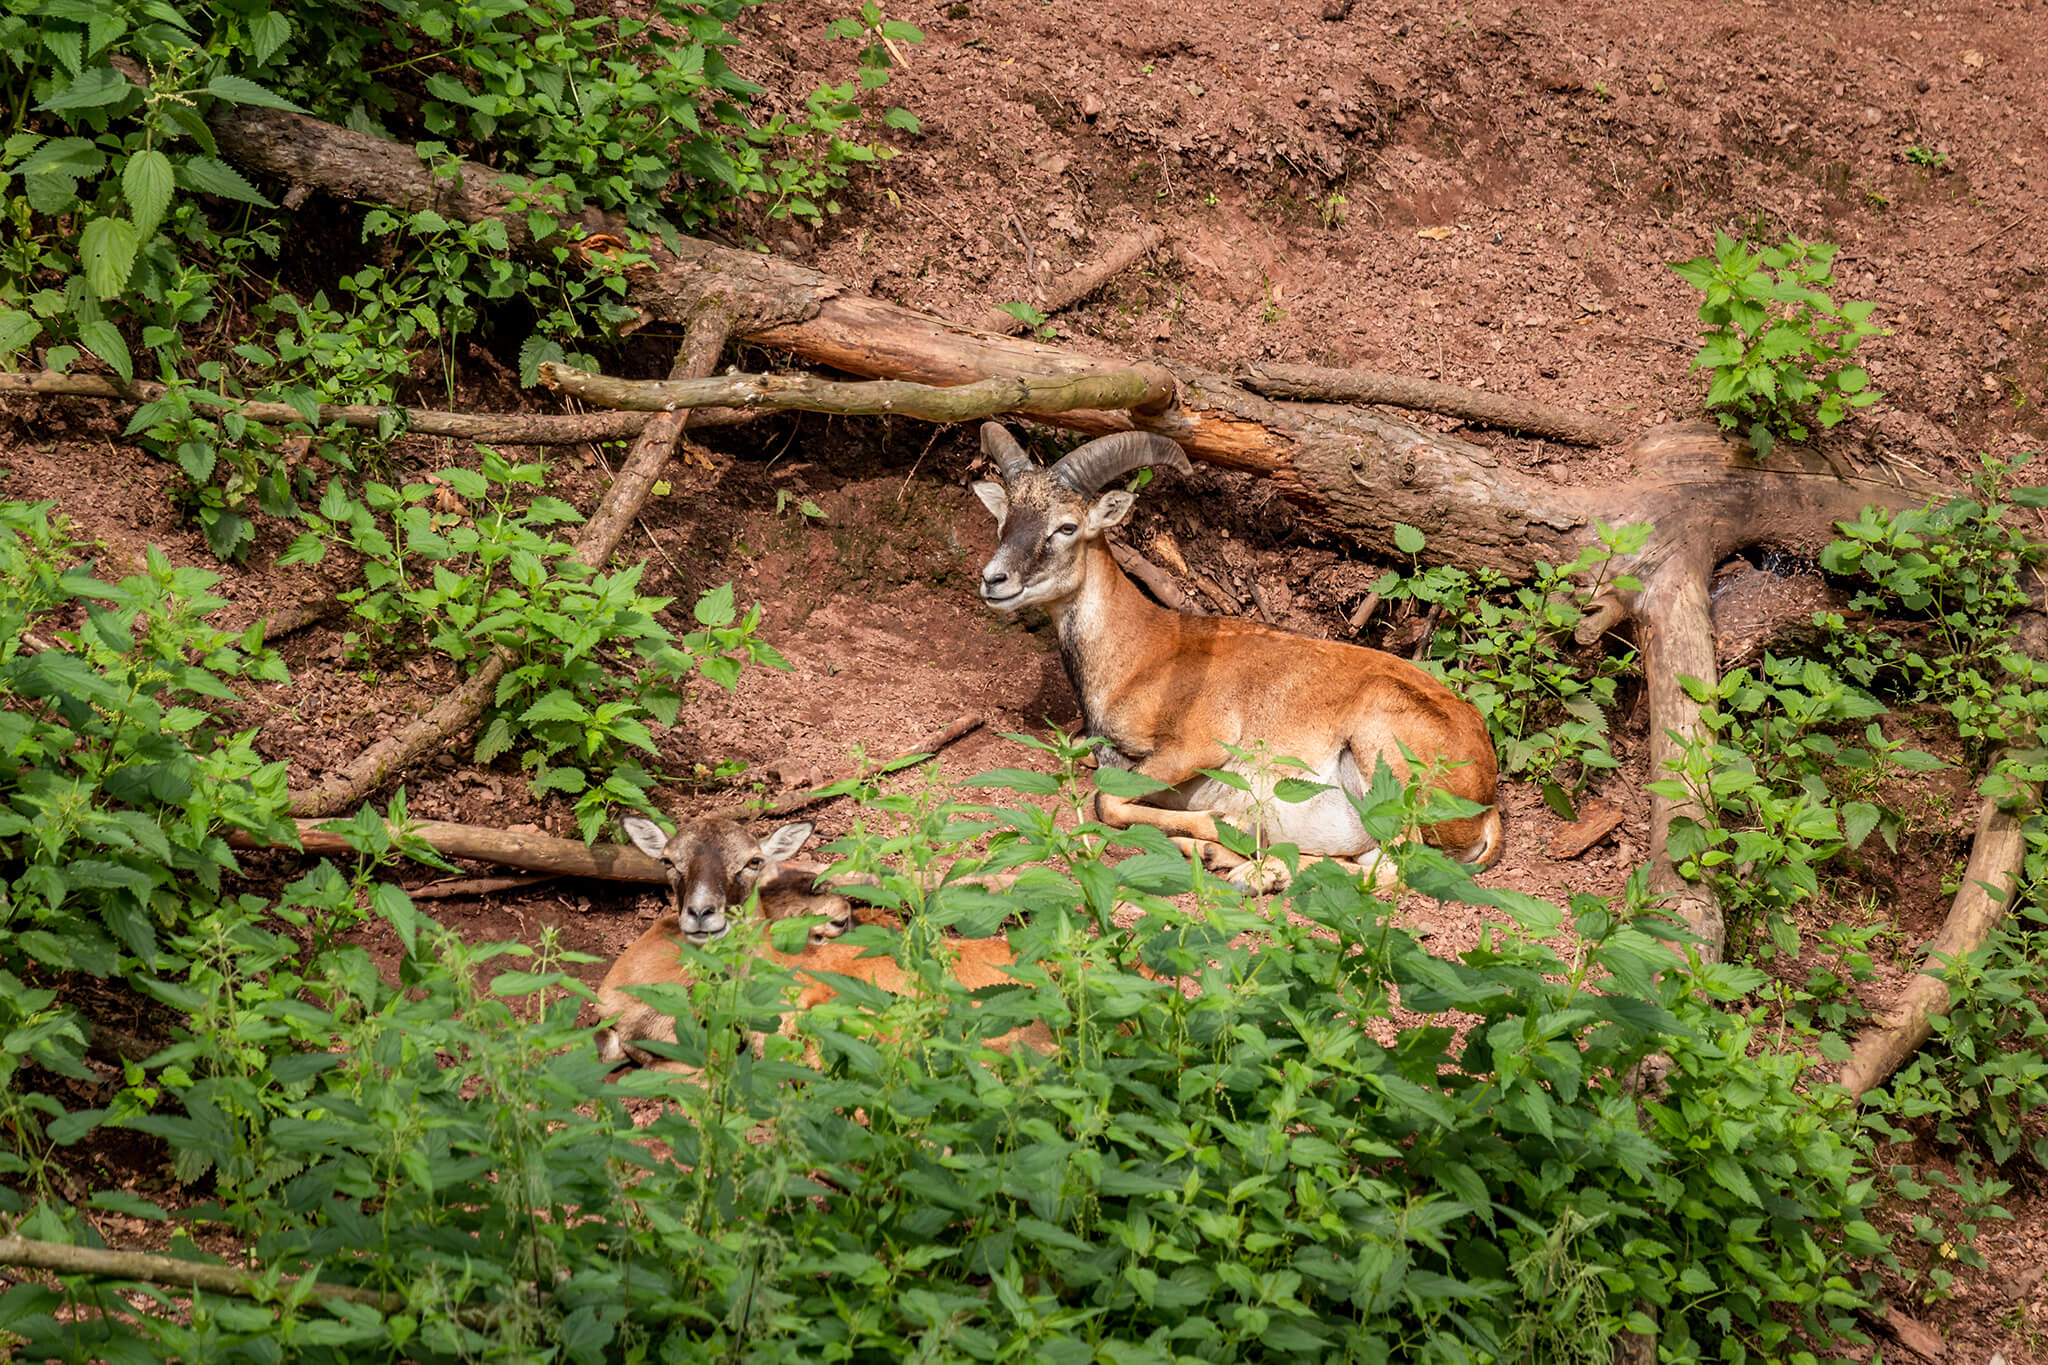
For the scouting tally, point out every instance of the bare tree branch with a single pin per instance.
(1453, 400)
(1145, 388)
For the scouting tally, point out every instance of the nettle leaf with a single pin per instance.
(267, 33)
(537, 349)
(1018, 779)
(1858, 819)
(107, 250)
(559, 704)
(714, 608)
(1122, 782)
(92, 89)
(17, 330)
(242, 90)
(148, 182)
(208, 175)
(104, 340)
(1409, 540)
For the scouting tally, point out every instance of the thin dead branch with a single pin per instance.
(500, 428)
(960, 728)
(1404, 391)
(1156, 580)
(1979, 907)
(1142, 388)
(1079, 283)
(529, 850)
(149, 1268)
(463, 887)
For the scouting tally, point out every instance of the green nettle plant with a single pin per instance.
(1506, 650)
(116, 781)
(1233, 1154)
(126, 233)
(1776, 343)
(462, 566)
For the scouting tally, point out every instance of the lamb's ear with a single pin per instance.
(646, 836)
(994, 497)
(784, 842)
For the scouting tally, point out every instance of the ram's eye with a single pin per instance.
(754, 863)
(1069, 529)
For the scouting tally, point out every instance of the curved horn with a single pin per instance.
(999, 445)
(1087, 468)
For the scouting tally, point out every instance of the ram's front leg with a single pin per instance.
(1194, 831)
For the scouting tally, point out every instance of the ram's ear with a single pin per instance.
(646, 836)
(994, 497)
(784, 842)
(1111, 509)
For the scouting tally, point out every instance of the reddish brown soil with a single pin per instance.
(1304, 157)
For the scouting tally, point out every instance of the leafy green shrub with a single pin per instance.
(1785, 781)
(1776, 342)
(1262, 1167)
(1954, 572)
(128, 234)
(591, 664)
(1505, 650)
(115, 785)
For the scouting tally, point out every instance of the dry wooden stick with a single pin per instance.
(1402, 391)
(507, 848)
(1363, 612)
(31, 1254)
(1144, 388)
(462, 887)
(961, 727)
(1156, 580)
(507, 428)
(461, 709)
(1981, 902)
(1078, 284)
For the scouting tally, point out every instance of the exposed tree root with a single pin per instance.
(1156, 580)
(1980, 905)
(1453, 400)
(1678, 642)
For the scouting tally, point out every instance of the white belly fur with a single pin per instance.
(1325, 823)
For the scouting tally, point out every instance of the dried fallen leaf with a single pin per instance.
(1915, 1336)
(1435, 234)
(1973, 58)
